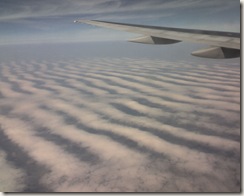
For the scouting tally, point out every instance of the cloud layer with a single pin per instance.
(119, 124)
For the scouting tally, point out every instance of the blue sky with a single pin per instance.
(48, 21)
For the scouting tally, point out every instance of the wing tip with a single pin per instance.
(81, 21)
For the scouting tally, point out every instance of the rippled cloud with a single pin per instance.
(119, 124)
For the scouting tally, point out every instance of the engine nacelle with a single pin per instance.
(217, 53)
(153, 40)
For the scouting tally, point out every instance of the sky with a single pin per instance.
(51, 21)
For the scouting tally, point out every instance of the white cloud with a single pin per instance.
(10, 178)
(132, 150)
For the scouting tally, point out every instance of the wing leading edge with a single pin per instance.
(223, 44)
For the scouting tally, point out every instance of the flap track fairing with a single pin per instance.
(217, 53)
(153, 40)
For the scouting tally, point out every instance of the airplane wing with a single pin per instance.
(223, 44)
